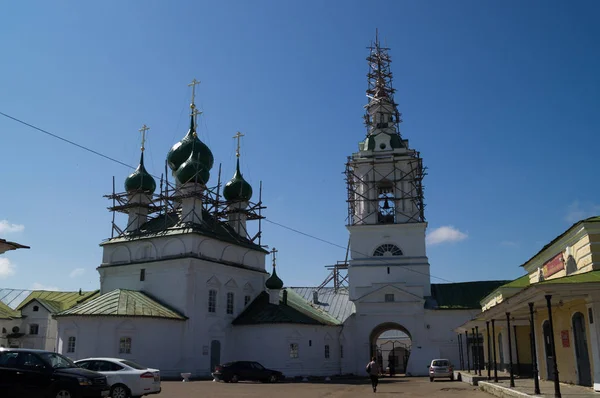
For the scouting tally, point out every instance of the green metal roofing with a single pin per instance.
(128, 303)
(8, 313)
(464, 295)
(521, 282)
(58, 300)
(140, 179)
(296, 310)
(237, 189)
(571, 228)
(586, 277)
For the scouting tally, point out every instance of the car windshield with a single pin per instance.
(132, 364)
(440, 363)
(57, 361)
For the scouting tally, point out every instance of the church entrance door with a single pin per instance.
(215, 354)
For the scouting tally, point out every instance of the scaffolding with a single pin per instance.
(166, 211)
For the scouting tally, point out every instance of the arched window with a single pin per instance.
(387, 250)
(386, 213)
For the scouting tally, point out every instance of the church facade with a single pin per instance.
(185, 286)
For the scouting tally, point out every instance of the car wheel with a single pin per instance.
(63, 393)
(234, 379)
(431, 379)
(119, 391)
(273, 379)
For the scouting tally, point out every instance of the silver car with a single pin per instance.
(441, 368)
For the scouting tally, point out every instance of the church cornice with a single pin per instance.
(189, 255)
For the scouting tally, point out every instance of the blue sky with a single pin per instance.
(500, 97)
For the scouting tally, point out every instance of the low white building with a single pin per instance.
(184, 285)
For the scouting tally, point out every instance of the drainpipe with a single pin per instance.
(556, 383)
(510, 365)
(536, 382)
(468, 360)
(489, 356)
(494, 344)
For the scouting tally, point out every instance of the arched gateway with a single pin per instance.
(390, 343)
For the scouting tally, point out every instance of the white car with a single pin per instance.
(125, 378)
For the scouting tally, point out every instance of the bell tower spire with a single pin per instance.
(385, 193)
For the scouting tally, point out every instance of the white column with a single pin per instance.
(593, 302)
(138, 215)
(236, 217)
(191, 206)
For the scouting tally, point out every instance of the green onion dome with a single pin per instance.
(274, 282)
(237, 189)
(140, 179)
(181, 151)
(194, 169)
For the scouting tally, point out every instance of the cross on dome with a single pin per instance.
(143, 131)
(238, 136)
(274, 254)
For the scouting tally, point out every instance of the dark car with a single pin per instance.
(44, 374)
(246, 370)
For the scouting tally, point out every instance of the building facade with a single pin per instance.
(184, 285)
(556, 302)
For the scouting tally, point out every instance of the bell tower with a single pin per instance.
(384, 178)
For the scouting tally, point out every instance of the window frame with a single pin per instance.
(34, 327)
(212, 301)
(294, 351)
(230, 301)
(247, 300)
(389, 297)
(71, 344)
(327, 351)
(125, 343)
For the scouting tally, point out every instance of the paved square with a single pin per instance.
(388, 387)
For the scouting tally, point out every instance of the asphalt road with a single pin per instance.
(388, 387)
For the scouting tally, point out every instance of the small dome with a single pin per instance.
(237, 189)
(140, 179)
(194, 169)
(274, 282)
(181, 151)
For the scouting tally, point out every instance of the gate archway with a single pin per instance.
(390, 344)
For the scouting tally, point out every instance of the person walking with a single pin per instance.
(373, 371)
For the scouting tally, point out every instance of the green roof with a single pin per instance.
(8, 313)
(464, 295)
(521, 282)
(121, 302)
(572, 227)
(296, 310)
(58, 301)
(586, 277)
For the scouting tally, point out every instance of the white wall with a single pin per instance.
(46, 337)
(270, 345)
(156, 343)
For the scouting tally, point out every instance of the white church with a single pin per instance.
(185, 286)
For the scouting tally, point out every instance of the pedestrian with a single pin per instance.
(373, 371)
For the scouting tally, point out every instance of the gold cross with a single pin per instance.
(193, 84)
(274, 252)
(237, 151)
(143, 131)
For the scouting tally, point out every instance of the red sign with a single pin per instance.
(553, 265)
(564, 336)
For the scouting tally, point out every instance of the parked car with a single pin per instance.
(246, 370)
(441, 368)
(44, 374)
(125, 378)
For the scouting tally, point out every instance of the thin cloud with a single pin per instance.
(39, 286)
(578, 211)
(6, 227)
(445, 234)
(6, 268)
(76, 272)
